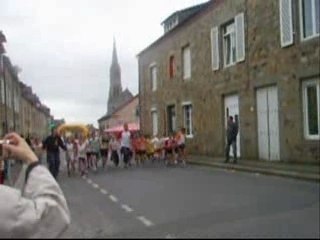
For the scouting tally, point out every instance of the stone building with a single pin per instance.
(234, 58)
(20, 109)
(128, 112)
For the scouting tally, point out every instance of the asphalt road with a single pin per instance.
(193, 202)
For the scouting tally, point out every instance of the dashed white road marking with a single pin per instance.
(127, 208)
(89, 181)
(94, 185)
(113, 198)
(145, 221)
(257, 174)
(169, 236)
(104, 192)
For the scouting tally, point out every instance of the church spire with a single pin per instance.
(115, 89)
(114, 54)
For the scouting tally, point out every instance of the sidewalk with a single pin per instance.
(310, 172)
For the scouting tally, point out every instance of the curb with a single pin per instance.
(274, 172)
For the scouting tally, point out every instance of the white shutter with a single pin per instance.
(286, 25)
(215, 48)
(240, 40)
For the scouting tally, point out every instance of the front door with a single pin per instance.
(231, 105)
(268, 123)
(171, 110)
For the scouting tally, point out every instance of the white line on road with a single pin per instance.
(257, 174)
(89, 181)
(94, 185)
(145, 221)
(127, 208)
(104, 192)
(113, 198)
(169, 236)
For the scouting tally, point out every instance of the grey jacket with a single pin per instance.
(38, 210)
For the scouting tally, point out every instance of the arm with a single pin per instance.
(61, 144)
(39, 210)
(28, 214)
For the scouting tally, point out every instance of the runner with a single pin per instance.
(149, 148)
(169, 146)
(2, 172)
(70, 157)
(82, 149)
(114, 149)
(180, 139)
(104, 149)
(126, 146)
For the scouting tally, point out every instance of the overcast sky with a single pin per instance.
(64, 47)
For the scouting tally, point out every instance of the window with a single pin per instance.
(186, 57)
(229, 44)
(153, 75)
(309, 18)
(286, 22)
(311, 109)
(215, 48)
(172, 67)
(154, 115)
(171, 111)
(187, 115)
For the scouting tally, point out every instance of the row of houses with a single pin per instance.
(258, 60)
(20, 109)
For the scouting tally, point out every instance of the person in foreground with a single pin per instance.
(39, 209)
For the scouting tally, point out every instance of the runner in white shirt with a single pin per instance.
(126, 145)
(82, 154)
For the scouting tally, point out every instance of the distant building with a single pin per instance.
(128, 112)
(117, 98)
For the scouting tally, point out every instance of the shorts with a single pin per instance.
(104, 152)
(141, 152)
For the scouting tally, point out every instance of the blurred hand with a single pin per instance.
(18, 149)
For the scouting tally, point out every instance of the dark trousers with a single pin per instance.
(126, 152)
(53, 159)
(115, 158)
(234, 148)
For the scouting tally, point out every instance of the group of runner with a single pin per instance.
(84, 154)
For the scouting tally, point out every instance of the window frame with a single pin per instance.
(172, 66)
(314, 30)
(184, 72)
(188, 110)
(154, 81)
(312, 82)
(232, 35)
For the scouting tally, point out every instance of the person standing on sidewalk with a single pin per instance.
(232, 133)
(52, 144)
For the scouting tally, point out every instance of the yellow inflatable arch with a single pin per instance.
(74, 129)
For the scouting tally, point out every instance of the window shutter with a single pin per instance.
(240, 40)
(286, 25)
(215, 48)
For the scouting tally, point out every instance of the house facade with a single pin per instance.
(20, 109)
(126, 113)
(234, 58)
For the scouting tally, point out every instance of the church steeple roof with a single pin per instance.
(114, 53)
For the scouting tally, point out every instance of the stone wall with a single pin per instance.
(266, 64)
